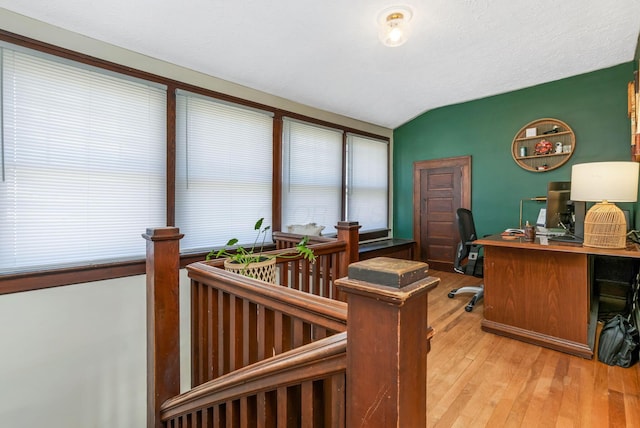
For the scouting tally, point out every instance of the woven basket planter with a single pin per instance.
(264, 271)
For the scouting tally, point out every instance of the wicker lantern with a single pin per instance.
(605, 225)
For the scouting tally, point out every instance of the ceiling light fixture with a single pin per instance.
(393, 25)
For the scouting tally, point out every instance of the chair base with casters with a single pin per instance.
(470, 251)
(478, 294)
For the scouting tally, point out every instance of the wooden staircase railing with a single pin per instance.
(269, 355)
(237, 321)
(333, 257)
(301, 387)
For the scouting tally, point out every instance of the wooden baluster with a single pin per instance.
(387, 335)
(221, 329)
(249, 333)
(324, 265)
(163, 329)
(237, 329)
(197, 327)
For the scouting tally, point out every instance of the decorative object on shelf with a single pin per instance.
(394, 26)
(531, 149)
(523, 151)
(605, 224)
(558, 147)
(543, 147)
(252, 262)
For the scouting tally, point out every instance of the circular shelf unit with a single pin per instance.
(531, 151)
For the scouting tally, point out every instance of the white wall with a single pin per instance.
(75, 356)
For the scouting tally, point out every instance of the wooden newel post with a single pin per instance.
(163, 338)
(387, 335)
(348, 231)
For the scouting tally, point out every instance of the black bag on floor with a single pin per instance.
(618, 344)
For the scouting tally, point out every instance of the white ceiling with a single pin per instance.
(325, 53)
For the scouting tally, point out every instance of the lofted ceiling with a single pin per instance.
(326, 54)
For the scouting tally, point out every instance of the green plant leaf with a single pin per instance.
(220, 252)
(245, 256)
(305, 251)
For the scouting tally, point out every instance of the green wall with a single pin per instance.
(593, 104)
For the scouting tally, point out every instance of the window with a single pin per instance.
(368, 182)
(313, 178)
(83, 158)
(224, 159)
(83, 162)
(311, 175)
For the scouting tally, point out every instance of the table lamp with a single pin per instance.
(605, 225)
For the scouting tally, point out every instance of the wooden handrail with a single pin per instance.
(316, 360)
(315, 278)
(266, 354)
(329, 314)
(259, 319)
(288, 240)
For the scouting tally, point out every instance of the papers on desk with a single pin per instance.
(512, 233)
(544, 234)
(543, 231)
(540, 231)
(542, 218)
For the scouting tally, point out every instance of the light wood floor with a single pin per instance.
(478, 379)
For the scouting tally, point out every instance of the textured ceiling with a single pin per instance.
(326, 54)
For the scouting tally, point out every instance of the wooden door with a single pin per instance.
(440, 187)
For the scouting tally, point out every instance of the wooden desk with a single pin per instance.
(542, 294)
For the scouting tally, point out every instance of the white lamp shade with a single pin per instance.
(605, 181)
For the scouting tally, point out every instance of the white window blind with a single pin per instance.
(224, 170)
(368, 182)
(312, 175)
(83, 163)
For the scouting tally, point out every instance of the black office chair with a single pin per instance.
(471, 252)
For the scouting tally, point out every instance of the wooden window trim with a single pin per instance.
(34, 280)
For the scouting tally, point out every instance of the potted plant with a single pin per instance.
(251, 261)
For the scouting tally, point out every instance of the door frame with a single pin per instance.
(464, 162)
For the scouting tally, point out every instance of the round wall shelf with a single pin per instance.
(543, 145)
